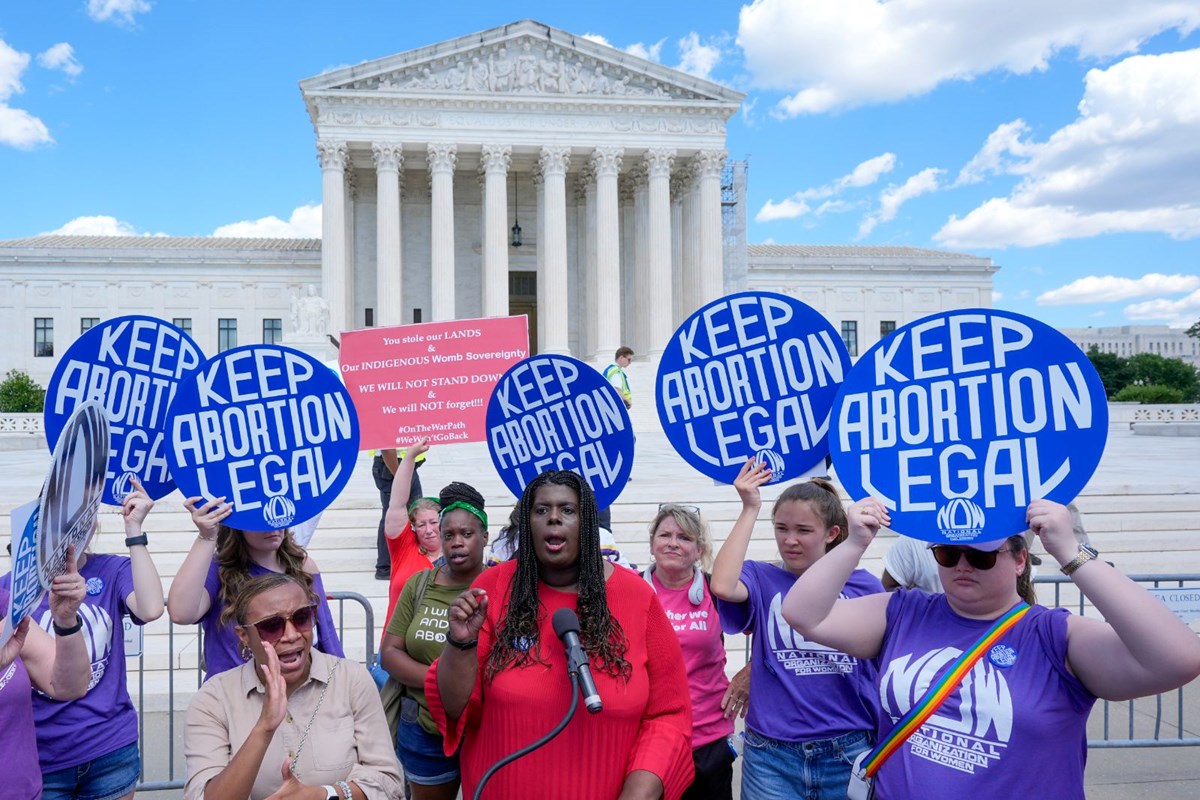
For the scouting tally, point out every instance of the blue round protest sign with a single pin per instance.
(73, 488)
(270, 429)
(132, 365)
(552, 412)
(958, 420)
(751, 374)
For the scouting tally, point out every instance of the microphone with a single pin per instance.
(566, 627)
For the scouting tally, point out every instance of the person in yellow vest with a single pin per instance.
(615, 374)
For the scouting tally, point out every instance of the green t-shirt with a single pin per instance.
(424, 630)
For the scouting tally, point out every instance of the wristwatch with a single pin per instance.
(1086, 554)
(130, 541)
(331, 792)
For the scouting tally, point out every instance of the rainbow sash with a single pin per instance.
(939, 691)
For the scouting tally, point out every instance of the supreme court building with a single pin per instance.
(522, 170)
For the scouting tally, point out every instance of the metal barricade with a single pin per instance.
(1156, 721)
(168, 777)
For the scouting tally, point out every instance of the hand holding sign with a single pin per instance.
(1053, 525)
(864, 519)
(207, 517)
(67, 592)
(753, 476)
(135, 507)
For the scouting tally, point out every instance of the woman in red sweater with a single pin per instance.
(502, 681)
(413, 537)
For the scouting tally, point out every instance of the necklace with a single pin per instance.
(313, 718)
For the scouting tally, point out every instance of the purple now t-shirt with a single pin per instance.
(800, 691)
(1015, 727)
(73, 732)
(18, 744)
(221, 646)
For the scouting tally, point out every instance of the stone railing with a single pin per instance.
(1129, 413)
(21, 423)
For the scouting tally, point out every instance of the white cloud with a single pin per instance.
(997, 296)
(1111, 288)
(120, 11)
(1130, 162)
(1176, 313)
(18, 128)
(849, 53)
(697, 57)
(865, 174)
(650, 52)
(304, 223)
(95, 226)
(893, 197)
(61, 57)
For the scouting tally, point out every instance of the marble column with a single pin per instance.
(552, 283)
(628, 255)
(709, 164)
(690, 280)
(389, 309)
(333, 157)
(607, 163)
(678, 184)
(494, 163)
(588, 262)
(442, 158)
(639, 283)
(658, 328)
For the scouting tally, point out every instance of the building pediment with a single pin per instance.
(523, 61)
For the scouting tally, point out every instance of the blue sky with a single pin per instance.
(1060, 139)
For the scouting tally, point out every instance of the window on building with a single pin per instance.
(184, 324)
(370, 318)
(850, 337)
(87, 323)
(272, 331)
(887, 327)
(43, 337)
(226, 334)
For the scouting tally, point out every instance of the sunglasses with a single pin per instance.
(979, 559)
(682, 507)
(271, 629)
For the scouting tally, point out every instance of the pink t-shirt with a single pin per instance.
(699, 632)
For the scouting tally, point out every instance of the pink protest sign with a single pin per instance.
(432, 379)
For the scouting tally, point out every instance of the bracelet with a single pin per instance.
(61, 631)
(141, 539)
(344, 788)
(471, 645)
(204, 538)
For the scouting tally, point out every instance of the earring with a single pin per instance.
(245, 653)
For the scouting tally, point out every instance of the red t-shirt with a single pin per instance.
(646, 723)
(406, 562)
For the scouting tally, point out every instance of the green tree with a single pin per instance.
(1194, 331)
(1149, 394)
(19, 393)
(1150, 369)
(1114, 370)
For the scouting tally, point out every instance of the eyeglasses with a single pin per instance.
(979, 559)
(271, 629)
(679, 507)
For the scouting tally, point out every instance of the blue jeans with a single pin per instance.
(420, 753)
(815, 770)
(105, 778)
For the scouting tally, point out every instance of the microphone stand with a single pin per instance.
(527, 749)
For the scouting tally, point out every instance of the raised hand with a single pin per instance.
(207, 517)
(67, 592)
(467, 613)
(274, 707)
(1052, 523)
(753, 475)
(865, 518)
(135, 507)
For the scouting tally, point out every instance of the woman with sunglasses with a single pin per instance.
(411, 529)
(416, 636)
(1018, 719)
(219, 563)
(811, 710)
(291, 721)
(680, 548)
(502, 683)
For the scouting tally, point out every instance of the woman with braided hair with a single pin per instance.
(416, 636)
(502, 682)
